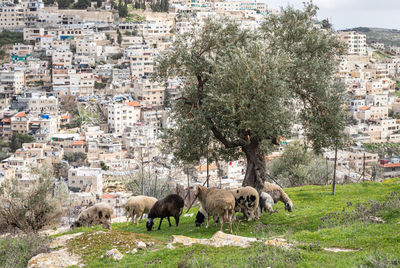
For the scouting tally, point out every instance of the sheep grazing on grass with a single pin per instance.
(172, 205)
(266, 203)
(94, 215)
(136, 206)
(217, 203)
(202, 216)
(247, 202)
(278, 194)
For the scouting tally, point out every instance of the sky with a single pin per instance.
(352, 13)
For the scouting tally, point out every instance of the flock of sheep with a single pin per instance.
(221, 204)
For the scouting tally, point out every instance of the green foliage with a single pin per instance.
(99, 3)
(160, 6)
(122, 9)
(64, 4)
(104, 166)
(18, 139)
(384, 150)
(82, 4)
(100, 85)
(30, 211)
(17, 251)
(75, 159)
(240, 87)
(298, 166)
(119, 37)
(9, 38)
(117, 56)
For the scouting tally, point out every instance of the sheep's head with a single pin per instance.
(199, 219)
(289, 206)
(200, 191)
(149, 224)
(75, 225)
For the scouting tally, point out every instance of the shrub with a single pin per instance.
(361, 211)
(29, 210)
(17, 251)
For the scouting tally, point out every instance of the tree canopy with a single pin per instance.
(245, 88)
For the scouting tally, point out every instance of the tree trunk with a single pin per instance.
(256, 167)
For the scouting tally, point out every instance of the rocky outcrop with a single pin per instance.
(219, 239)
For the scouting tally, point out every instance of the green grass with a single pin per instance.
(376, 245)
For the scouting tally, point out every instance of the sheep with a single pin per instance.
(247, 201)
(266, 203)
(136, 206)
(201, 216)
(98, 214)
(278, 194)
(172, 205)
(217, 203)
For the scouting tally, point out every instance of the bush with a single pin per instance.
(17, 251)
(30, 210)
(297, 166)
(75, 159)
(18, 139)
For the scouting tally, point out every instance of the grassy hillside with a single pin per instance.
(390, 37)
(319, 220)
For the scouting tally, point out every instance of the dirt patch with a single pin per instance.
(340, 249)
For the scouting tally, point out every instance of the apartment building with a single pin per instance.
(12, 16)
(149, 93)
(356, 43)
(62, 58)
(11, 83)
(122, 115)
(86, 179)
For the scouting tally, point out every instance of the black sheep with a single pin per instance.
(172, 205)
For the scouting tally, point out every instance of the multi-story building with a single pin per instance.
(149, 93)
(122, 115)
(86, 179)
(356, 43)
(11, 83)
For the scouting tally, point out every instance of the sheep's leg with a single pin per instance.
(176, 220)
(159, 226)
(139, 216)
(207, 221)
(169, 222)
(222, 224)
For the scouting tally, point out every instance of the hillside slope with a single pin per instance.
(318, 221)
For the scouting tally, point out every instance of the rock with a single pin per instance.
(188, 215)
(219, 239)
(278, 242)
(150, 244)
(339, 249)
(61, 240)
(375, 219)
(55, 259)
(134, 251)
(141, 245)
(114, 254)
(170, 246)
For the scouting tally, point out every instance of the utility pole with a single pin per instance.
(188, 182)
(142, 162)
(327, 170)
(363, 173)
(208, 171)
(334, 173)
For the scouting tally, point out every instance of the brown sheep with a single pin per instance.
(218, 203)
(94, 215)
(278, 194)
(136, 206)
(247, 201)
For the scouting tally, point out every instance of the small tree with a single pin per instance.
(30, 211)
(18, 139)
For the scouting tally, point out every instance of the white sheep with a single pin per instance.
(136, 206)
(266, 203)
(278, 194)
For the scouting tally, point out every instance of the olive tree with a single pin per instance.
(245, 88)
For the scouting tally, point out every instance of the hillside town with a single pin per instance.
(77, 96)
